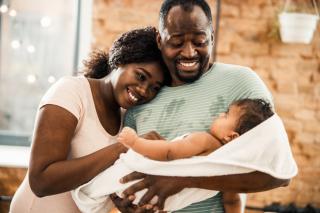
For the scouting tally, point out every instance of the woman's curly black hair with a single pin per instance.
(135, 46)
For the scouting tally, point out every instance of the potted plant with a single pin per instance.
(297, 23)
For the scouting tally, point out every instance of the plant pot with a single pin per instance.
(297, 27)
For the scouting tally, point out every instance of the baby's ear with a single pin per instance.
(232, 135)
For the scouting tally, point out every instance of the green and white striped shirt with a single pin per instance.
(191, 107)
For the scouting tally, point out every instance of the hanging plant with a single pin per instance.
(297, 24)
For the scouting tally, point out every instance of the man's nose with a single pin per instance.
(188, 50)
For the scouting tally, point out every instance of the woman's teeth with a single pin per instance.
(132, 97)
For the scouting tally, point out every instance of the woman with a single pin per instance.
(79, 119)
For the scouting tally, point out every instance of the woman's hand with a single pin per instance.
(160, 187)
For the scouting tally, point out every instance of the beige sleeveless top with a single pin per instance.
(73, 94)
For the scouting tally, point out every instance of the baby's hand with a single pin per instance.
(127, 137)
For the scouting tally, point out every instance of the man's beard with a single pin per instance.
(193, 78)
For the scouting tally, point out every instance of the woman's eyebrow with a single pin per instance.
(149, 75)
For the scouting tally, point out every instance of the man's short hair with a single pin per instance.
(253, 112)
(187, 5)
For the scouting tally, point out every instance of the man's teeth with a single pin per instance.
(132, 97)
(188, 64)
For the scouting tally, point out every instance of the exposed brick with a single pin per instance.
(251, 48)
(285, 88)
(247, 26)
(288, 75)
(291, 124)
(312, 126)
(269, 12)
(303, 137)
(236, 59)
(256, 2)
(287, 50)
(228, 10)
(287, 102)
(305, 114)
(224, 47)
(286, 65)
(250, 11)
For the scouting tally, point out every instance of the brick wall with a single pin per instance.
(291, 71)
(10, 179)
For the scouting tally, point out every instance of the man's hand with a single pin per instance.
(124, 205)
(160, 187)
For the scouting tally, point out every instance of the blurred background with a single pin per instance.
(42, 41)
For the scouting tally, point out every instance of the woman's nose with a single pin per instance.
(143, 90)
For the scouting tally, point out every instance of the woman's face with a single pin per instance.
(136, 83)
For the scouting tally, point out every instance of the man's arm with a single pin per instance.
(231, 202)
(163, 186)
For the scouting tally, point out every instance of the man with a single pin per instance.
(199, 91)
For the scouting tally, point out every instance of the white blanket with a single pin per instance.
(265, 148)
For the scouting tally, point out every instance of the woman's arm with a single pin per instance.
(194, 144)
(50, 172)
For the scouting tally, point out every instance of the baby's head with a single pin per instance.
(242, 115)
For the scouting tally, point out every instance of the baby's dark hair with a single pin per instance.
(253, 112)
(187, 5)
(135, 46)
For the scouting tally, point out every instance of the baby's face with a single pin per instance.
(225, 124)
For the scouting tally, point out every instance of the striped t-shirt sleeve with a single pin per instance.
(251, 86)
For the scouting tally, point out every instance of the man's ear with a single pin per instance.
(232, 135)
(158, 38)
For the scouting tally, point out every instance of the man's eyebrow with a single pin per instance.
(201, 32)
(174, 35)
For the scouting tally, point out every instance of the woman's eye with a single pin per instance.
(155, 89)
(141, 77)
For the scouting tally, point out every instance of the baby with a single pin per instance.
(241, 116)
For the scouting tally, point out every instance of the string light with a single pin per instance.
(15, 44)
(45, 21)
(12, 13)
(31, 78)
(51, 79)
(4, 8)
(31, 49)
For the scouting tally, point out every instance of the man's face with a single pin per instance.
(186, 43)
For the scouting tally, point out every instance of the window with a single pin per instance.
(39, 43)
